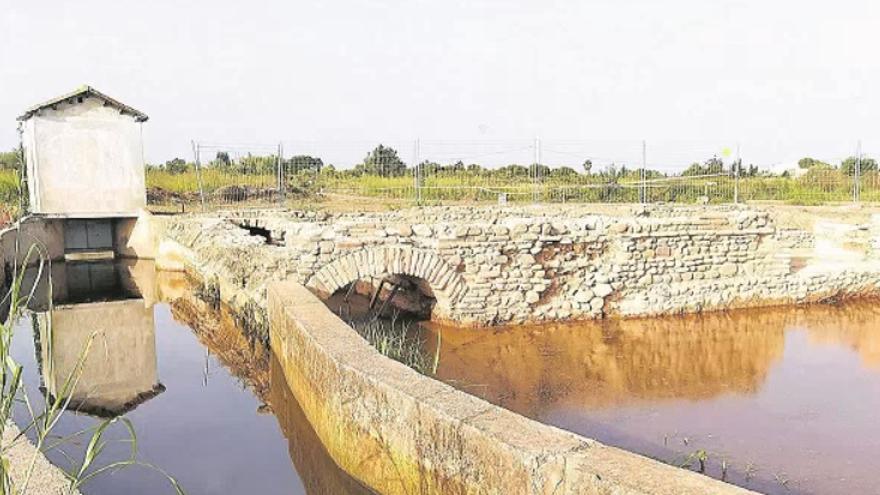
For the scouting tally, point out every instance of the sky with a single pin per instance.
(691, 78)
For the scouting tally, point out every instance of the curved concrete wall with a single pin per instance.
(401, 432)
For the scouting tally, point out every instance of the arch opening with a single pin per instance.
(394, 296)
(426, 285)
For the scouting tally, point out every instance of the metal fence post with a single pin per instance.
(280, 163)
(643, 175)
(857, 176)
(417, 172)
(738, 168)
(536, 179)
(197, 154)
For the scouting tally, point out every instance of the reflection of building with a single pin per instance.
(102, 334)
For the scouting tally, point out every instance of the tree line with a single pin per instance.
(385, 161)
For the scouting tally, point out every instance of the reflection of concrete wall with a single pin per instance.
(85, 159)
(119, 369)
(319, 474)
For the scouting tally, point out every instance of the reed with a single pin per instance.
(399, 341)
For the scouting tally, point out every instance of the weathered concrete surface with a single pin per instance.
(84, 159)
(490, 266)
(138, 237)
(33, 236)
(402, 432)
(45, 479)
(37, 237)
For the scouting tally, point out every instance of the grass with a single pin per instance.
(399, 342)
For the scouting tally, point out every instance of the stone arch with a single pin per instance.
(376, 261)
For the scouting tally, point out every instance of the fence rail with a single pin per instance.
(512, 171)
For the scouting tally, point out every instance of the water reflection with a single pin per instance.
(785, 399)
(101, 333)
(306, 450)
(149, 330)
(611, 362)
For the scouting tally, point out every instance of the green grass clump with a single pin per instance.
(398, 342)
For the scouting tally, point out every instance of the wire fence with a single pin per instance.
(512, 171)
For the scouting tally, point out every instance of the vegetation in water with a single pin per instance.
(400, 342)
(42, 419)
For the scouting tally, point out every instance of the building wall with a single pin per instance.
(85, 159)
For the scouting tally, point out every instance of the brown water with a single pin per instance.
(203, 398)
(787, 399)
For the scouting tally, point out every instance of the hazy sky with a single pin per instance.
(784, 78)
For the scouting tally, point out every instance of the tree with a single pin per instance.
(176, 166)
(711, 166)
(848, 166)
(807, 163)
(538, 170)
(563, 172)
(429, 167)
(588, 165)
(383, 161)
(222, 159)
(513, 171)
(304, 162)
(9, 160)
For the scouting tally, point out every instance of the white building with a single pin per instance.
(84, 154)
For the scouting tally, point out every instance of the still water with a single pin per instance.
(778, 400)
(208, 405)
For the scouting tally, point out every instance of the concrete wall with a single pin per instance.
(401, 432)
(84, 159)
(133, 238)
(45, 236)
(138, 237)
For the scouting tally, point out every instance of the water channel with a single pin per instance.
(208, 405)
(778, 400)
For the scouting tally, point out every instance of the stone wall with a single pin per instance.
(401, 432)
(489, 266)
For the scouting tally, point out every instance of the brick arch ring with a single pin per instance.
(445, 282)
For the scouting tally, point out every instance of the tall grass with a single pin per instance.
(399, 342)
